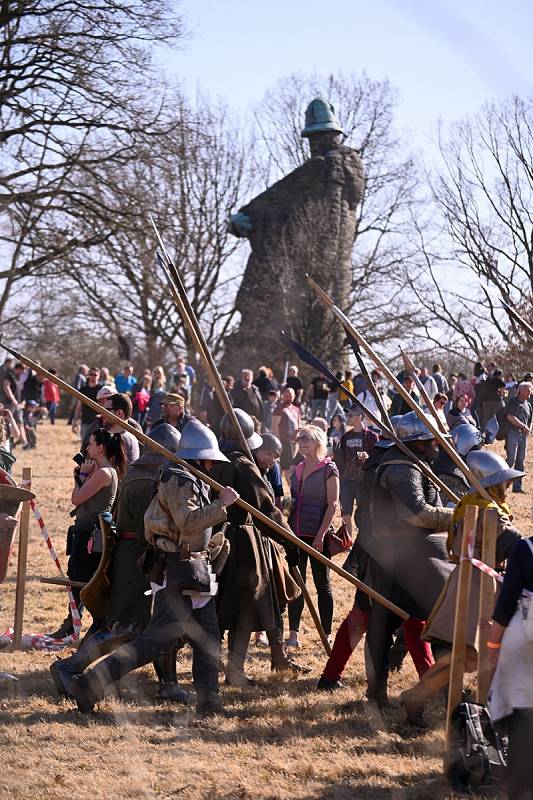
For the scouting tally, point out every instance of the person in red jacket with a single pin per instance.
(51, 397)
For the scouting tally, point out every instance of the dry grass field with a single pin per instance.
(280, 741)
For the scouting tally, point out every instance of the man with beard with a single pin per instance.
(408, 545)
(128, 606)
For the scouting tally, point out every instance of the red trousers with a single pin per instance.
(351, 632)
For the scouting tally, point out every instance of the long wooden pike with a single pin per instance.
(254, 512)
(410, 368)
(454, 455)
(518, 318)
(313, 361)
(192, 325)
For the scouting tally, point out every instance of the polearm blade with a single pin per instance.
(158, 448)
(410, 368)
(192, 325)
(368, 378)
(345, 322)
(313, 361)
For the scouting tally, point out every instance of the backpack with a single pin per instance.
(477, 754)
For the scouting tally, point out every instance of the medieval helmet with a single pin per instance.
(198, 443)
(227, 430)
(466, 437)
(410, 428)
(384, 441)
(270, 443)
(490, 468)
(167, 436)
(320, 117)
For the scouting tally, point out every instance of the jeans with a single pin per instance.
(324, 594)
(515, 448)
(51, 406)
(318, 408)
(173, 618)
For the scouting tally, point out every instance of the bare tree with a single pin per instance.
(480, 244)
(77, 97)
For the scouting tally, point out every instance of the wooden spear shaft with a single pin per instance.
(454, 455)
(188, 316)
(158, 448)
(410, 367)
(193, 326)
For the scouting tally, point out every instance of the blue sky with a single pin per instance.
(444, 56)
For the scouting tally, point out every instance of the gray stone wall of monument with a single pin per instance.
(304, 223)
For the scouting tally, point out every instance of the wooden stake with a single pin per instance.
(24, 527)
(297, 575)
(457, 668)
(486, 602)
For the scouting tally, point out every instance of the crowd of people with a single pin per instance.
(312, 453)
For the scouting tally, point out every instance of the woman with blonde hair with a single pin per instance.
(315, 496)
(158, 390)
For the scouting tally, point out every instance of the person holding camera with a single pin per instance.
(95, 488)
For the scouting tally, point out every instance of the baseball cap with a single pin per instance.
(106, 391)
(170, 398)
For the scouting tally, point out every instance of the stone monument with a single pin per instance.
(304, 223)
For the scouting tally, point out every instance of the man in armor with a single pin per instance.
(178, 524)
(465, 438)
(408, 544)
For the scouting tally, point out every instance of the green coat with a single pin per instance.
(128, 604)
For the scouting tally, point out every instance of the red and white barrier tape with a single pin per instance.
(76, 619)
(482, 567)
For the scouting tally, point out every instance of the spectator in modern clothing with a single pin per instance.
(315, 496)
(264, 383)
(51, 396)
(286, 421)
(367, 398)
(269, 406)
(399, 405)
(83, 413)
(354, 448)
(184, 369)
(8, 385)
(105, 377)
(295, 383)
(336, 431)
(29, 420)
(317, 394)
(464, 386)
(141, 400)
(121, 406)
(125, 381)
(173, 411)
(439, 404)
(347, 383)
(478, 381)
(459, 413)
(80, 379)
(247, 397)
(428, 382)
(439, 378)
(519, 417)
(491, 400)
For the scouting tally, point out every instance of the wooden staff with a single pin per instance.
(20, 592)
(254, 512)
(192, 325)
(297, 575)
(518, 318)
(372, 387)
(410, 368)
(454, 455)
(460, 628)
(486, 602)
(63, 582)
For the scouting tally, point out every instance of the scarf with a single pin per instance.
(475, 499)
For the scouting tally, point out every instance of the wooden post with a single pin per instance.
(457, 668)
(24, 526)
(486, 602)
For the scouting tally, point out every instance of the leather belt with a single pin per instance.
(127, 537)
